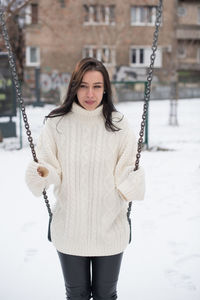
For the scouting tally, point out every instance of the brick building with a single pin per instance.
(120, 33)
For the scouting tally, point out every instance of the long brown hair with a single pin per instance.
(84, 65)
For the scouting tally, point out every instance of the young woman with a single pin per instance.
(87, 149)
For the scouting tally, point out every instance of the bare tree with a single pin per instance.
(14, 17)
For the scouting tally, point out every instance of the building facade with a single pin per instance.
(188, 39)
(119, 33)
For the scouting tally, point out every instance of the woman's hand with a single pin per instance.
(42, 171)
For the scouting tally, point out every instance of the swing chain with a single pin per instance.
(20, 100)
(147, 96)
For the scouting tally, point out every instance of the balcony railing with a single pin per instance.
(188, 32)
(185, 1)
(189, 66)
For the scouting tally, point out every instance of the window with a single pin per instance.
(106, 54)
(181, 11)
(143, 15)
(137, 56)
(99, 14)
(112, 13)
(32, 56)
(62, 3)
(103, 13)
(198, 55)
(133, 15)
(34, 15)
(95, 13)
(31, 14)
(87, 11)
(140, 56)
(198, 15)
(181, 51)
(28, 15)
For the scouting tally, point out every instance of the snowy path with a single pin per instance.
(163, 260)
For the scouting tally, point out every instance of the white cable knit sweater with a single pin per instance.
(92, 172)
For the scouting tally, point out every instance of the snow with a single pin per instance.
(163, 259)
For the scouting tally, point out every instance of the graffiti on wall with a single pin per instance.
(54, 81)
(126, 73)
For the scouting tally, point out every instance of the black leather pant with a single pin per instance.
(76, 272)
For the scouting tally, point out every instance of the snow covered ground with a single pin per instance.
(163, 260)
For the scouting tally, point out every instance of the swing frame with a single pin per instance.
(20, 100)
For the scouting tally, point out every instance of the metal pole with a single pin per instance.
(20, 128)
(146, 136)
(37, 88)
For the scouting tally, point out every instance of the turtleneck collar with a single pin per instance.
(82, 112)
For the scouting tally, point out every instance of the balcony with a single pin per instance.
(189, 66)
(188, 1)
(188, 32)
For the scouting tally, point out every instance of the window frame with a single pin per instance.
(138, 10)
(107, 9)
(198, 15)
(29, 14)
(34, 16)
(28, 56)
(146, 54)
(198, 55)
(182, 55)
(111, 50)
(183, 13)
(138, 52)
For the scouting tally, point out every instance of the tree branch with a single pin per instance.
(12, 12)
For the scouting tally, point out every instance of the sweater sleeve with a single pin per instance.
(129, 184)
(46, 152)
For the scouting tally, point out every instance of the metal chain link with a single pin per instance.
(20, 100)
(145, 107)
(147, 96)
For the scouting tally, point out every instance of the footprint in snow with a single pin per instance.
(177, 248)
(148, 226)
(30, 253)
(194, 218)
(187, 258)
(180, 280)
(175, 276)
(26, 226)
